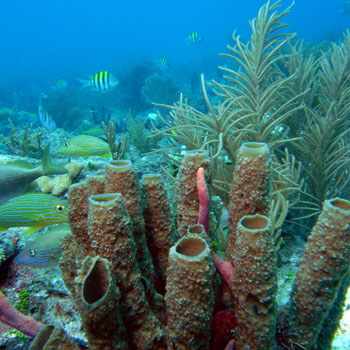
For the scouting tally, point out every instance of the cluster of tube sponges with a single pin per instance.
(124, 252)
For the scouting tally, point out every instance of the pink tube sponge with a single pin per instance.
(15, 319)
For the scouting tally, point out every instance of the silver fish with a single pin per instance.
(14, 179)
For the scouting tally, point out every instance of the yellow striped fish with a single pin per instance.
(101, 81)
(163, 64)
(45, 250)
(193, 38)
(85, 146)
(33, 210)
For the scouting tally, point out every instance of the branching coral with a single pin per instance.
(324, 143)
(117, 147)
(24, 143)
(139, 136)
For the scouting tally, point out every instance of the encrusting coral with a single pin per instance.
(60, 184)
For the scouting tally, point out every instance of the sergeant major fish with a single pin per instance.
(33, 210)
(163, 64)
(101, 81)
(45, 119)
(193, 38)
(15, 179)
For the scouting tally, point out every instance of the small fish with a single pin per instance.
(85, 146)
(44, 251)
(45, 119)
(16, 177)
(33, 210)
(101, 81)
(224, 219)
(193, 38)
(163, 64)
(61, 84)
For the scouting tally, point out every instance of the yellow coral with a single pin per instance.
(61, 183)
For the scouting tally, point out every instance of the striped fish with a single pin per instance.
(33, 210)
(101, 81)
(45, 119)
(163, 64)
(45, 250)
(85, 146)
(193, 38)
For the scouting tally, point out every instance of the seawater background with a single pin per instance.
(46, 40)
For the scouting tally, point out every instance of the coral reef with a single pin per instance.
(103, 250)
(122, 231)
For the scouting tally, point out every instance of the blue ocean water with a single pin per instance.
(42, 41)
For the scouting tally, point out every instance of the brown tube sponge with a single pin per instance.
(111, 235)
(158, 221)
(250, 188)
(96, 183)
(189, 296)
(324, 263)
(121, 178)
(197, 229)
(186, 192)
(78, 197)
(78, 212)
(254, 284)
(52, 337)
(99, 305)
